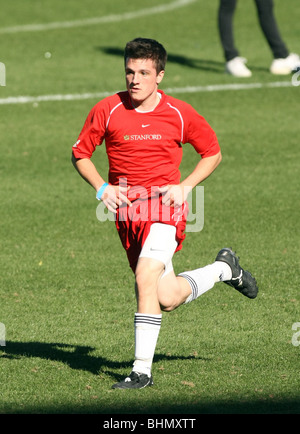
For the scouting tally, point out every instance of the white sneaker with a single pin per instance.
(285, 66)
(237, 67)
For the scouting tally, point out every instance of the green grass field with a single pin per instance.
(66, 292)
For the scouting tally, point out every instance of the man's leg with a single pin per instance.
(225, 23)
(158, 288)
(173, 291)
(235, 65)
(267, 20)
(156, 253)
(284, 62)
(189, 285)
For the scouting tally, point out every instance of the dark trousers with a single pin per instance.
(267, 22)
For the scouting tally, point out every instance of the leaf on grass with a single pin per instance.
(188, 383)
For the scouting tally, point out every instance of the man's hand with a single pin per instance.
(114, 196)
(174, 195)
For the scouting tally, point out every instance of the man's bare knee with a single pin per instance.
(167, 308)
(148, 272)
(170, 294)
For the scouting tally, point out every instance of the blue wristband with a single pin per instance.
(101, 191)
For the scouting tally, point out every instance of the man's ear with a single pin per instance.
(160, 76)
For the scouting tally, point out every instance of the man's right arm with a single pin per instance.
(87, 170)
(113, 196)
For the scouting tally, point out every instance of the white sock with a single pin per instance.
(147, 327)
(203, 279)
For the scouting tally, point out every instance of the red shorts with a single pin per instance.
(133, 224)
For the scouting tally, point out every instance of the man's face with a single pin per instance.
(142, 79)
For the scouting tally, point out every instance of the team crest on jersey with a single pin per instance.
(126, 137)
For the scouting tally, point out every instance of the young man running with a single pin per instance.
(144, 129)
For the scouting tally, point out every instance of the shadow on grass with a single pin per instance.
(180, 411)
(75, 356)
(196, 63)
(80, 358)
(208, 65)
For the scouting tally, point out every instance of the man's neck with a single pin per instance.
(147, 105)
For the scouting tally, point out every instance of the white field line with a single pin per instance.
(114, 18)
(173, 90)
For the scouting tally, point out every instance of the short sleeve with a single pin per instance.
(200, 134)
(92, 133)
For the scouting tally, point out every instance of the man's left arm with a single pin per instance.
(175, 195)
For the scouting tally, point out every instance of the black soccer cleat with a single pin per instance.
(134, 381)
(241, 280)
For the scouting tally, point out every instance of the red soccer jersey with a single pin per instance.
(145, 147)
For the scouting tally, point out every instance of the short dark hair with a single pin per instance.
(143, 48)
